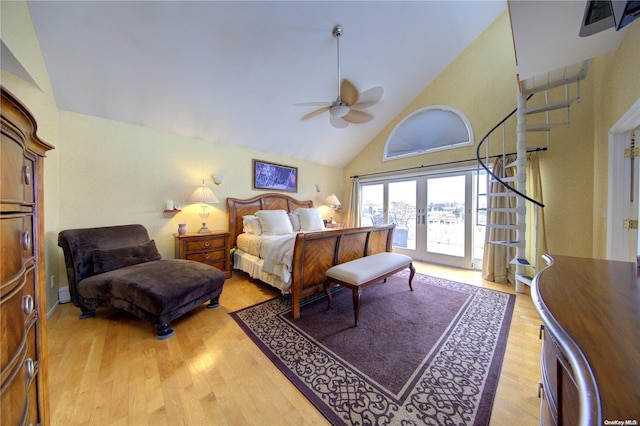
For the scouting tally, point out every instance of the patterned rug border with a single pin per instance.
(375, 404)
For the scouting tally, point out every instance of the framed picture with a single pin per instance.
(276, 177)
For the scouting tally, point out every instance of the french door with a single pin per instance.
(433, 214)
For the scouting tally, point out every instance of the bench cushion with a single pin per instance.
(367, 268)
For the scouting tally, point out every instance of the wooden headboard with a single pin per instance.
(238, 208)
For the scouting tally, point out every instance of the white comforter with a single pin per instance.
(278, 253)
(267, 258)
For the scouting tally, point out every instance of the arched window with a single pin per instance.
(429, 129)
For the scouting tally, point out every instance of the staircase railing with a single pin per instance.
(517, 191)
(488, 169)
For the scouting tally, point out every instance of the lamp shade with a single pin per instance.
(203, 195)
(333, 200)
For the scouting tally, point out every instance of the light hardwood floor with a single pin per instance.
(111, 370)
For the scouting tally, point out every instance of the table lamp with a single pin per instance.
(203, 195)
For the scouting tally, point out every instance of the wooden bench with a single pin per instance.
(359, 273)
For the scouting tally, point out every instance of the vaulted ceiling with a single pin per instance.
(234, 72)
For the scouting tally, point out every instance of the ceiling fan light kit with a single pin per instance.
(349, 103)
(339, 110)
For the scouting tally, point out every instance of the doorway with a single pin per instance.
(623, 188)
(433, 214)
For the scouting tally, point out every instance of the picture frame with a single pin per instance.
(274, 177)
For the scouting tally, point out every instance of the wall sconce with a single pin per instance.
(217, 179)
(333, 201)
(203, 195)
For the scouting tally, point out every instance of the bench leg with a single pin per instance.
(357, 298)
(411, 274)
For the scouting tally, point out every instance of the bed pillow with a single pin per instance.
(251, 225)
(274, 222)
(310, 220)
(111, 259)
(295, 221)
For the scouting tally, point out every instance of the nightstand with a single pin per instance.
(212, 248)
(334, 226)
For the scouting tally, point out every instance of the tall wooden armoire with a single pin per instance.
(23, 351)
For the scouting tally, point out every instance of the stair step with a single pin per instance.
(524, 279)
(502, 194)
(544, 127)
(520, 261)
(512, 164)
(505, 179)
(521, 209)
(550, 107)
(513, 243)
(513, 226)
(575, 72)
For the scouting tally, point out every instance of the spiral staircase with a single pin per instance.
(543, 104)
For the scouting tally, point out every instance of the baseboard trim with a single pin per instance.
(53, 309)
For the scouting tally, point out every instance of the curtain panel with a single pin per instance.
(495, 261)
(354, 204)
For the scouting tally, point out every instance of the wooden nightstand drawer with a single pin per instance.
(204, 244)
(207, 256)
(212, 248)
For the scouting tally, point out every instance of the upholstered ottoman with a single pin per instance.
(120, 267)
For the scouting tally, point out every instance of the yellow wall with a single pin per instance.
(106, 173)
(18, 35)
(617, 82)
(481, 83)
(116, 173)
(483, 73)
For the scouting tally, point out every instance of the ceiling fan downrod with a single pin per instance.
(339, 108)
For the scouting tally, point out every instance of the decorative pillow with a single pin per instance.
(310, 219)
(251, 225)
(295, 221)
(274, 222)
(111, 259)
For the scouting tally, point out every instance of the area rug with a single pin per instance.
(428, 356)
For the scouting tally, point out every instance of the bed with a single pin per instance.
(301, 257)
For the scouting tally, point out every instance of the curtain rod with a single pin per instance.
(441, 164)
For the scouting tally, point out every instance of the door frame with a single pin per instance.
(468, 261)
(619, 241)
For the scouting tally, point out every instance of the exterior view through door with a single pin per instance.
(434, 214)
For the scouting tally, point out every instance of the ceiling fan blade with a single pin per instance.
(369, 98)
(314, 113)
(337, 122)
(355, 116)
(348, 92)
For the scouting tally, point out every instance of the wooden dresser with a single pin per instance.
(212, 248)
(590, 359)
(23, 355)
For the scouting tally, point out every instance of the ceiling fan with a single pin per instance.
(348, 106)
